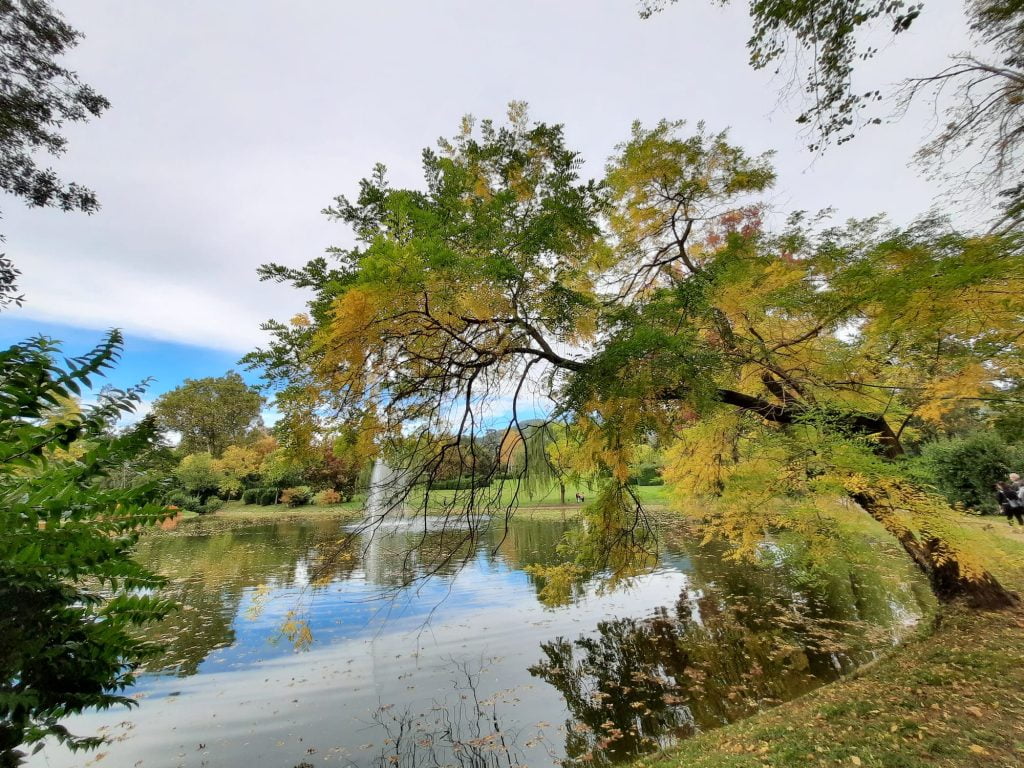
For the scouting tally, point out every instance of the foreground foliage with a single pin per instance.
(71, 593)
(38, 96)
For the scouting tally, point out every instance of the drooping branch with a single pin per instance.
(863, 424)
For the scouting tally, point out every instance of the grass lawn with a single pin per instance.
(652, 495)
(237, 510)
(543, 505)
(953, 696)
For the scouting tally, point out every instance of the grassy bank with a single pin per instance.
(523, 498)
(542, 505)
(236, 510)
(952, 696)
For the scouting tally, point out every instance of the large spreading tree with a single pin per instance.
(210, 413)
(655, 303)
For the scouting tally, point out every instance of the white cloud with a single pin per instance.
(234, 123)
(163, 307)
(143, 409)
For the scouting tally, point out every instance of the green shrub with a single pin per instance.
(251, 495)
(268, 496)
(328, 497)
(280, 472)
(198, 475)
(182, 500)
(212, 505)
(230, 487)
(193, 504)
(648, 475)
(297, 496)
(176, 498)
(964, 469)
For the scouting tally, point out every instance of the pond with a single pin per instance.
(275, 660)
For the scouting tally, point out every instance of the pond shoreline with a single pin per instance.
(260, 514)
(948, 696)
(542, 508)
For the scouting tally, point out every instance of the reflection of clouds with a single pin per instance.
(256, 701)
(500, 600)
(254, 694)
(300, 577)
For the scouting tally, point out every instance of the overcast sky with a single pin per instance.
(234, 123)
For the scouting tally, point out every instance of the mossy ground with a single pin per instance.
(951, 696)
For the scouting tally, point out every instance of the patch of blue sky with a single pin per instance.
(355, 609)
(165, 363)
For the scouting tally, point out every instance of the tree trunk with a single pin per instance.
(931, 556)
(561, 488)
(944, 574)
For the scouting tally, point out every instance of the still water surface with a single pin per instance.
(471, 667)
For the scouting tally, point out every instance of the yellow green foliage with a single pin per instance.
(297, 631)
(328, 497)
(560, 582)
(652, 307)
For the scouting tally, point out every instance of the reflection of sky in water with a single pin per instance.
(355, 609)
(258, 702)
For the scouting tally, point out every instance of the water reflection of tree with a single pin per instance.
(404, 554)
(465, 733)
(741, 638)
(525, 542)
(215, 569)
(210, 575)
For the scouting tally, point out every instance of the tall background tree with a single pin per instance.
(825, 45)
(655, 303)
(38, 97)
(210, 413)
